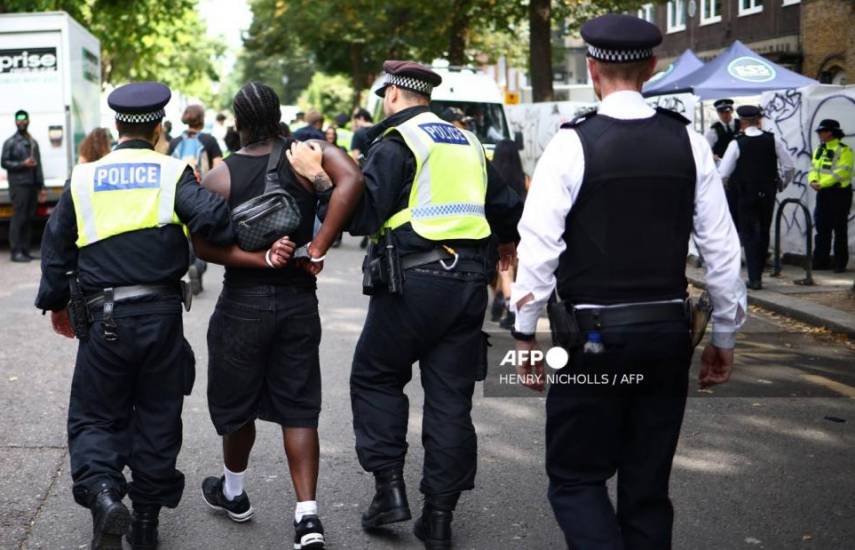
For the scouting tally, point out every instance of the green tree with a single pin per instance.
(542, 14)
(144, 40)
(329, 94)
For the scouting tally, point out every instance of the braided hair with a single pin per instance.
(257, 113)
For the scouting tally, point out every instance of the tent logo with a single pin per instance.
(661, 74)
(751, 69)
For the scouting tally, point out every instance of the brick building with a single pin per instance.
(772, 28)
(828, 40)
(813, 37)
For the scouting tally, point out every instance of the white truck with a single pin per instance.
(50, 66)
(474, 93)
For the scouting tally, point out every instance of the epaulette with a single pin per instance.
(587, 115)
(673, 114)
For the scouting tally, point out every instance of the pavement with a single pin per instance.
(829, 302)
(766, 461)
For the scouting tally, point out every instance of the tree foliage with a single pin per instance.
(143, 39)
(328, 94)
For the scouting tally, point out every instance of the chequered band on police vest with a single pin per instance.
(619, 56)
(409, 83)
(140, 118)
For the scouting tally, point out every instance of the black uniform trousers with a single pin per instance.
(25, 201)
(594, 431)
(437, 322)
(731, 192)
(126, 400)
(755, 219)
(832, 216)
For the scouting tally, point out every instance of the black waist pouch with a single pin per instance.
(563, 324)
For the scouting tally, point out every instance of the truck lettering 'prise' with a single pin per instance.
(444, 133)
(32, 59)
(119, 177)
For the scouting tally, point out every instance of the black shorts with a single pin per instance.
(263, 357)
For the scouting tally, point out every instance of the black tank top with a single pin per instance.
(247, 182)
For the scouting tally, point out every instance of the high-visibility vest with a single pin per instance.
(127, 190)
(832, 165)
(345, 137)
(449, 189)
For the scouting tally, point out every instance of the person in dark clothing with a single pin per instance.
(442, 255)
(118, 231)
(312, 129)
(719, 136)
(507, 162)
(360, 122)
(751, 165)
(265, 332)
(23, 163)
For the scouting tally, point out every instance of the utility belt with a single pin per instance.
(383, 268)
(571, 325)
(85, 309)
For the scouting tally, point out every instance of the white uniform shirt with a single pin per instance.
(731, 155)
(555, 185)
(712, 137)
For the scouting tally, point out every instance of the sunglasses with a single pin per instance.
(20, 118)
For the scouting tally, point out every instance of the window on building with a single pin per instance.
(676, 16)
(749, 7)
(710, 11)
(647, 12)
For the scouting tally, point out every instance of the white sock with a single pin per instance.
(233, 486)
(305, 508)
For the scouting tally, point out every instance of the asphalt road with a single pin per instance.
(767, 461)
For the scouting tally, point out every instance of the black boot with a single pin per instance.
(434, 526)
(143, 533)
(110, 520)
(390, 501)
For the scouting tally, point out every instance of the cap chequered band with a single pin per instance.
(619, 56)
(140, 118)
(409, 83)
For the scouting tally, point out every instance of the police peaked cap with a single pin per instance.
(409, 75)
(139, 102)
(749, 111)
(723, 105)
(619, 38)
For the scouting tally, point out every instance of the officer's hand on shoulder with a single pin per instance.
(716, 366)
(306, 158)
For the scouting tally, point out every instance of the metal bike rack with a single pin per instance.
(808, 280)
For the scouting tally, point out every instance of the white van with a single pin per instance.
(474, 93)
(50, 66)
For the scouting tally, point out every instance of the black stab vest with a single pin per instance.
(756, 169)
(627, 233)
(723, 138)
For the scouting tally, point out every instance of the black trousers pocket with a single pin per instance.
(188, 368)
(481, 371)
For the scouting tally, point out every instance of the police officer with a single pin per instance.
(719, 136)
(118, 228)
(606, 223)
(435, 200)
(831, 178)
(751, 165)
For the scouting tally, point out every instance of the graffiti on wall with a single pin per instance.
(793, 115)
